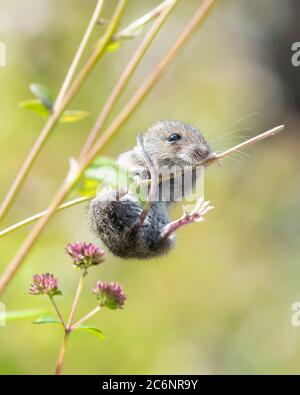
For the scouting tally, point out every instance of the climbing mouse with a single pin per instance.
(114, 216)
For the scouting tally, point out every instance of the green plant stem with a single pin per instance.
(57, 311)
(78, 55)
(130, 30)
(53, 119)
(76, 300)
(62, 352)
(85, 318)
(199, 16)
(165, 10)
(35, 217)
(244, 144)
(68, 330)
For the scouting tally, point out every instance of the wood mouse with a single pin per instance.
(116, 217)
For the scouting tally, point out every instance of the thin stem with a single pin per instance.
(165, 9)
(10, 196)
(25, 248)
(68, 329)
(53, 119)
(35, 217)
(78, 55)
(200, 15)
(57, 311)
(130, 30)
(98, 51)
(85, 318)
(61, 357)
(249, 142)
(76, 300)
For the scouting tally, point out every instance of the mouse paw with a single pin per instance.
(196, 215)
(201, 208)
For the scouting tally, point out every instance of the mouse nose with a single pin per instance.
(211, 155)
(201, 152)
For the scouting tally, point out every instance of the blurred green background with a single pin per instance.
(221, 301)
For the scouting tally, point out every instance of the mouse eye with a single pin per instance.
(174, 137)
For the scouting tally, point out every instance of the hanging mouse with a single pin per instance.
(123, 224)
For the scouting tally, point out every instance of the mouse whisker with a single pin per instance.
(234, 123)
(235, 159)
(230, 133)
(243, 118)
(221, 147)
(243, 154)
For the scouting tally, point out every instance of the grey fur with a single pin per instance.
(112, 218)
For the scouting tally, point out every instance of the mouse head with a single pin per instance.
(174, 143)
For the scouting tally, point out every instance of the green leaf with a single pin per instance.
(35, 106)
(103, 170)
(46, 319)
(106, 170)
(91, 329)
(103, 161)
(106, 173)
(73, 116)
(88, 187)
(43, 94)
(113, 46)
(23, 314)
(57, 293)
